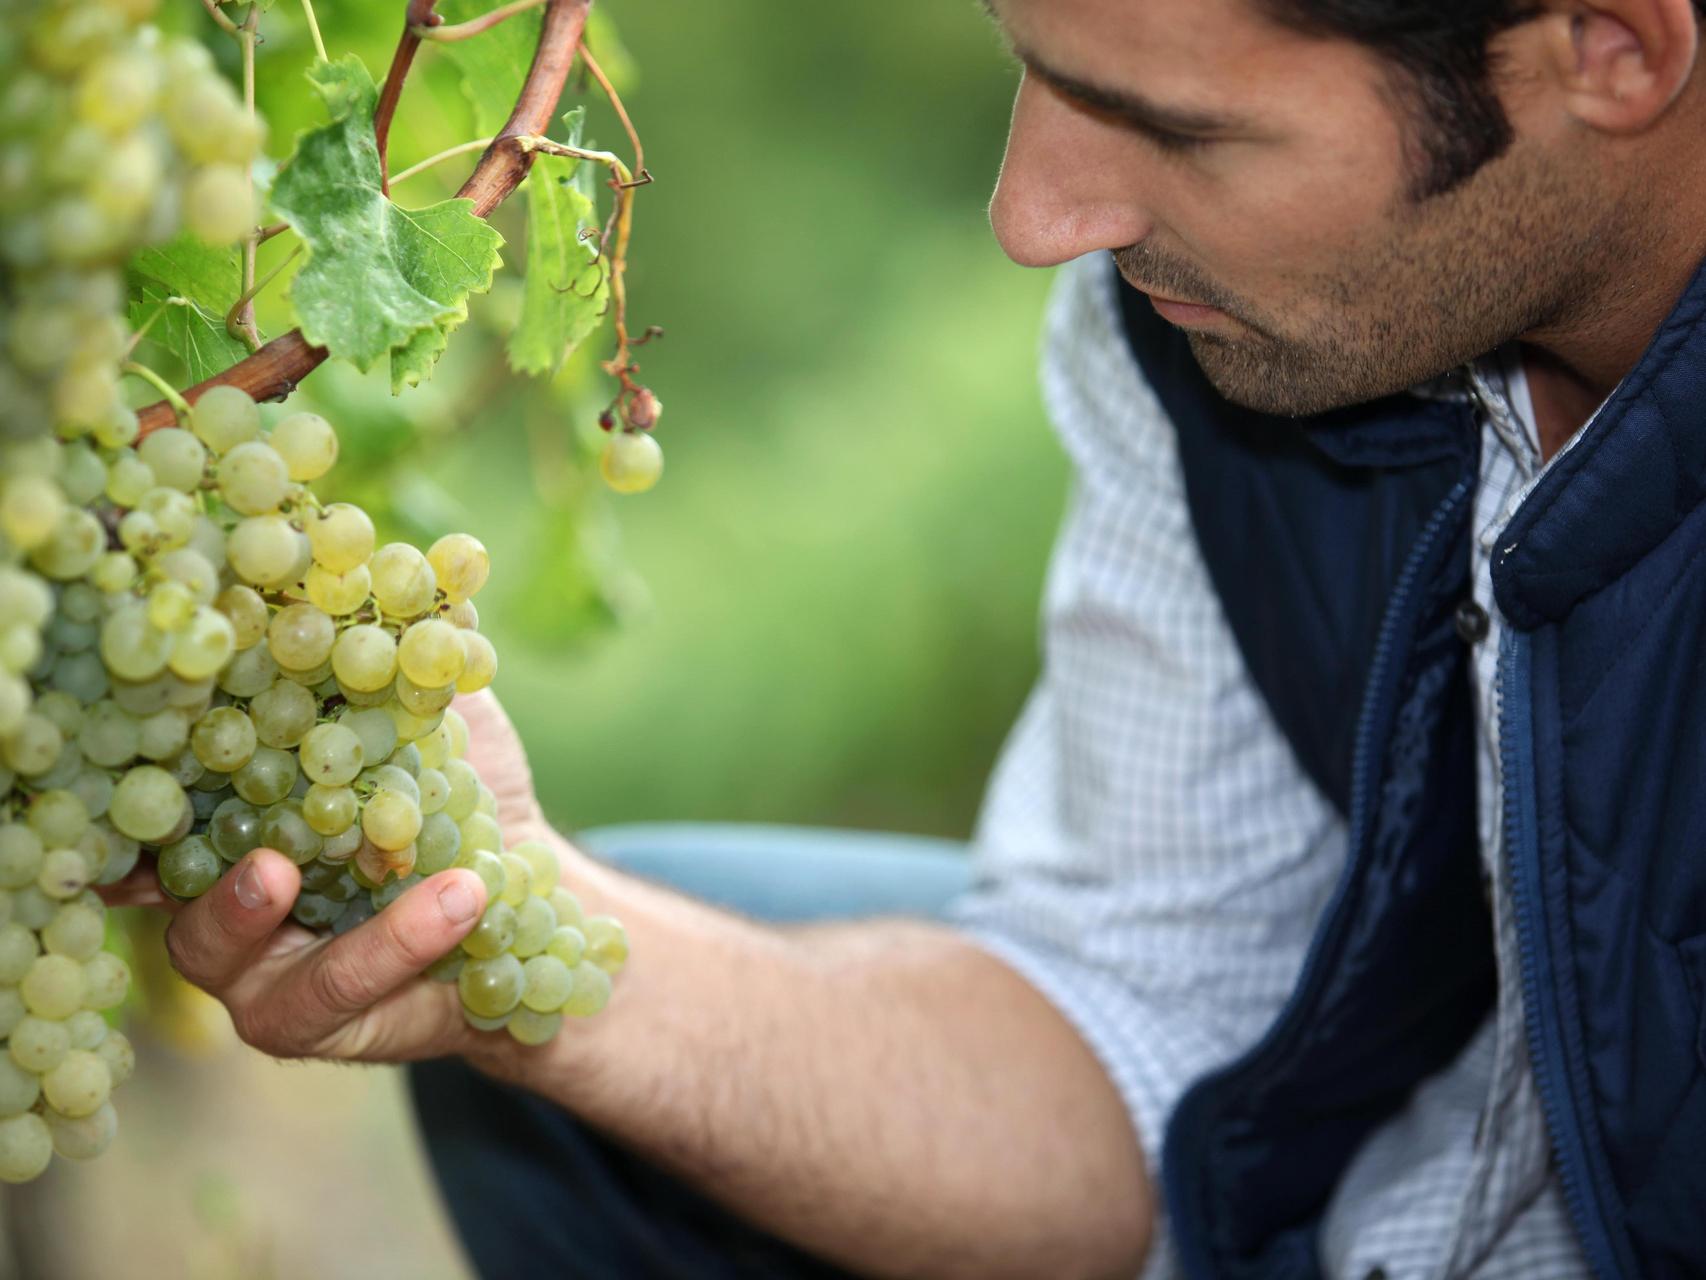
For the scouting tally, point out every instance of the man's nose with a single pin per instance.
(1068, 184)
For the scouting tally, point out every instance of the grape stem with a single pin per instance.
(462, 148)
(213, 11)
(240, 319)
(314, 28)
(273, 372)
(180, 406)
(418, 14)
(474, 26)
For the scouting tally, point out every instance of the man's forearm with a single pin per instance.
(884, 1093)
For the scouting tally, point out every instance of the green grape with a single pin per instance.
(447, 968)
(21, 852)
(87, 1029)
(486, 801)
(109, 737)
(410, 727)
(393, 778)
(461, 565)
(332, 754)
(174, 513)
(365, 658)
(568, 944)
(307, 444)
(463, 616)
(40, 1044)
(82, 675)
(283, 714)
(121, 854)
(218, 204)
(437, 846)
(301, 637)
(18, 951)
(190, 867)
(78, 1086)
(549, 983)
(480, 832)
(234, 829)
(267, 778)
(251, 673)
(116, 1051)
(341, 537)
(78, 541)
(313, 911)
(203, 648)
(357, 913)
(132, 647)
(535, 923)
(494, 934)
(253, 479)
(457, 728)
(464, 789)
(118, 89)
(606, 942)
(408, 758)
(143, 697)
(263, 550)
(518, 878)
(403, 582)
(389, 892)
(483, 864)
(224, 417)
(128, 478)
(26, 1147)
(283, 827)
(30, 511)
(490, 988)
(163, 735)
(331, 810)
(64, 873)
(170, 605)
(224, 739)
(591, 991)
(390, 819)
(176, 458)
(632, 462)
(107, 980)
(85, 1137)
(95, 789)
(128, 181)
(188, 566)
(147, 804)
(343, 846)
(247, 613)
(14, 703)
(53, 988)
(529, 1027)
(58, 817)
(76, 930)
(434, 790)
(431, 654)
(339, 594)
(487, 1024)
(19, 1089)
(20, 649)
(543, 869)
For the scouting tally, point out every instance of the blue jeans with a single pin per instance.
(534, 1193)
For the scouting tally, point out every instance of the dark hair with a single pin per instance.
(1442, 52)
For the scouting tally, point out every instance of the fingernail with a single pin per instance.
(457, 901)
(251, 890)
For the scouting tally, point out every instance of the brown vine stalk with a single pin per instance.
(273, 372)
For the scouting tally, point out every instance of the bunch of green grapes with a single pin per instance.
(112, 137)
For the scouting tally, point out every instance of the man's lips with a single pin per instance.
(1176, 310)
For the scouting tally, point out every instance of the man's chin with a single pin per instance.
(1282, 384)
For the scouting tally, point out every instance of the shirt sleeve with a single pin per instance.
(1150, 855)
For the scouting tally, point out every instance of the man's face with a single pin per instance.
(1269, 176)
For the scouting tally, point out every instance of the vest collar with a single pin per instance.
(1636, 472)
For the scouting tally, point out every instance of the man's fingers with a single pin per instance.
(141, 888)
(214, 938)
(356, 971)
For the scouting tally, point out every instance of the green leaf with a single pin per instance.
(567, 290)
(494, 65)
(207, 280)
(376, 276)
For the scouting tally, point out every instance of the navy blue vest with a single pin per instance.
(1339, 547)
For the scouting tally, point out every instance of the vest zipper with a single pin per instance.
(1376, 712)
(1547, 1058)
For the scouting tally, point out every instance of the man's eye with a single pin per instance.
(1176, 143)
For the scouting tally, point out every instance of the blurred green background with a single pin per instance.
(825, 614)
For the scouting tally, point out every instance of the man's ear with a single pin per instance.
(1621, 63)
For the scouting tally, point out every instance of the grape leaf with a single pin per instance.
(376, 275)
(492, 67)
(567, 290)
(207, 280)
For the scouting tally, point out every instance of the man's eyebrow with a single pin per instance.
(1131, 107)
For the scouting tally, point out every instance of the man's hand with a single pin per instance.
(292, 994)
(495, 751)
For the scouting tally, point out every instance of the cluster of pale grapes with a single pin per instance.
(202, 659)
(112, 137)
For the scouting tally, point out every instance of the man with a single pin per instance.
(1225, 998)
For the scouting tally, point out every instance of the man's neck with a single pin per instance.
(1573, 370)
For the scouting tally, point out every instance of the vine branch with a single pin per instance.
(274, 371)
